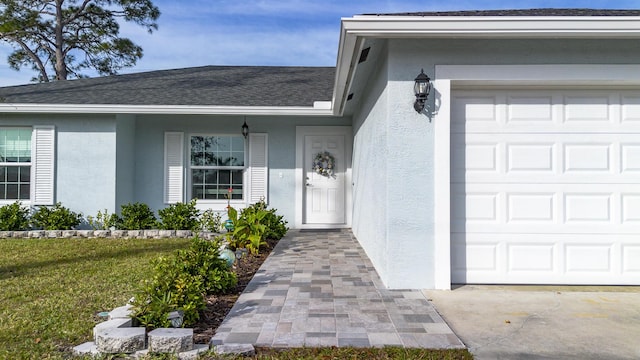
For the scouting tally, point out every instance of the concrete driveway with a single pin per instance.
(543, 322)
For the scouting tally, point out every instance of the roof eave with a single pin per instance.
(166, 109)
(355, 29)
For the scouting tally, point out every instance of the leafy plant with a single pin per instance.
(102, 221)
(180, 283)
(136, 216)
(210, 221)
(14, 217)
(57, 217)
(276, 225)
(180, 216)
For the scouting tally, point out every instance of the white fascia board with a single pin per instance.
(354, 30)
(164, 109)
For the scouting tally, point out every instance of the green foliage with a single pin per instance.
(88, 35)
(180, 283)
(14, 217)
(136, 216)
(210, 221)
(102, 221)
(276, 225)
(254, 225)
(57, 217)
(180, 216)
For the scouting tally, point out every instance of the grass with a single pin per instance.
(53, 289)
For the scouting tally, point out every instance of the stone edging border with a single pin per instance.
(110, 234)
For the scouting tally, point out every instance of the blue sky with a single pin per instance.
(271, 32)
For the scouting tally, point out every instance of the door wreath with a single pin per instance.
(324, 164)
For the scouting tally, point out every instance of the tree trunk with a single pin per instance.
(61, 66)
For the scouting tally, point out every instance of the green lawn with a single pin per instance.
(51, 290)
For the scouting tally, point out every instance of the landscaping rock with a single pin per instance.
(119, 234)
(169, 340)
(151, 234)
(120, 340)
(183, 233)
(52, 234)
(6, 234)
(85, 233)
(235, 349)
(37, 234)
(88, 348)
(111, 324)
(102, 233)
(135, 234)
(122, 312)
(167, 233)
(20, 234)
(69, 233)
(193, 354)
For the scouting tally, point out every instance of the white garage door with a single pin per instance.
(545, 187)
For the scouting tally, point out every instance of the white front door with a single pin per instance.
(324, 188)
(324, 193)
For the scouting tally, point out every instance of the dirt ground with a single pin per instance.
(218, 306)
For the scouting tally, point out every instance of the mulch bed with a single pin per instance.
(218, 306)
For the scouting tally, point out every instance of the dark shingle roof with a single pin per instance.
(207, 85)
(522, 12)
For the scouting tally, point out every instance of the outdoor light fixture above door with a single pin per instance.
(422, 87)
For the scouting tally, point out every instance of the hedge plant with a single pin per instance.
(14, 217)
(180, 216)
(135, 216)
(56, 217)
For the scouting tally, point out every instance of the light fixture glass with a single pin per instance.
(421, 88)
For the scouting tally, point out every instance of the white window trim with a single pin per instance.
(30, 164)
(214, 204)
(482, 75)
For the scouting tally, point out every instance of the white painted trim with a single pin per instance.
(301, 132)
(164, 109)
(355, 29)
(448, 76)
(442, 185)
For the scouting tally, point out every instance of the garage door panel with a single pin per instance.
(545, 187)
(550, 158)
(554, 259)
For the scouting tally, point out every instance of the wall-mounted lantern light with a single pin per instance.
(422, 87)
(245, 129)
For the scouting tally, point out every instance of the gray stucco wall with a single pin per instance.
(392, 138)
(85, 158)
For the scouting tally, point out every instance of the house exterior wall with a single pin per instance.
(85, 158)
(403, 254)
(149, 145)
(125, 159)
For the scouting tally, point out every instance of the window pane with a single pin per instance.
(197, 176)
(237, 143)
(211, 192)
(197, 150)
(211, 177)
(25, 174)
(225, 177)
(197, 192)
(24, 191)
(12, 191)
(12, 173)
(236, 177)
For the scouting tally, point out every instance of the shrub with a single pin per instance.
(210, 221)
(180, 216)
(276, 225)
(57, 217)
(102, 221)
(180, 283)
(14, 217)
(136, 216)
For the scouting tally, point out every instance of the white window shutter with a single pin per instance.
(258, 168)
(43, 151)
(173, 167)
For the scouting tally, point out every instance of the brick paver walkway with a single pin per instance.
(318, 288)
